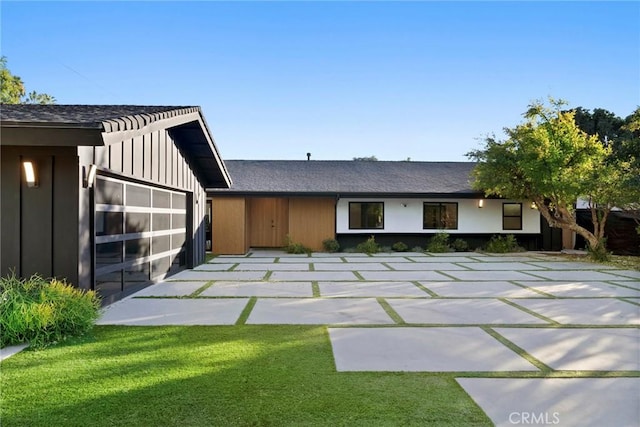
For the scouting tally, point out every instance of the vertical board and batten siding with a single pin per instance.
(39, 224)
(312, 220)
(155, 159)
(229, 225)
(406, 216)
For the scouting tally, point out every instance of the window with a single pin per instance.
(512, 216)
(366, 215)
(440, 216)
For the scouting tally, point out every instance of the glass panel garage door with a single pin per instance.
(140, 234)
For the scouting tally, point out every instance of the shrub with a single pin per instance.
(42, 312)
(460, 245)
(503, 244)
(599, 253)
(400, 247)
(417, 249)
(369, 246)
(439, 243)
(296, 248)
(331, 245)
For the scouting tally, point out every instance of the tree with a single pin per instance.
(548, 159)
(12, 90)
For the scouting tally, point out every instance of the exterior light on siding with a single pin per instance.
(481, 203)
(533, 205)
(30, 174)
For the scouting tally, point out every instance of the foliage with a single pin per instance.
(460, 245)
(400, 247)
(439, 243)
(549, 160)
(296, 248)
(331, 245)
(12, 90)
(247, 375)
(503, 244)
(599, 253)
(417, 249)
(42, 312)
(369, 246)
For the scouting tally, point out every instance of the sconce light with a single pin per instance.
(533, 205)
(30, 174)
(90, 176)
(404, 205)
(481, 203)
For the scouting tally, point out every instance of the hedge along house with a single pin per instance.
(310, 201)
(110, 198)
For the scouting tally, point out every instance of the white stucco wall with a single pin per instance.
(405, 216)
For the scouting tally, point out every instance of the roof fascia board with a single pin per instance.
(115, 136)
(42, 136)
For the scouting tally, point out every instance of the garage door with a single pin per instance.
(140, 235)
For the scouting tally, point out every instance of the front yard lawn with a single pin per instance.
(211, 376)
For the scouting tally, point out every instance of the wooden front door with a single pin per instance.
(268, 222)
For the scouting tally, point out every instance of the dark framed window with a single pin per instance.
(512, 216)
(440, 216)
(366, 215)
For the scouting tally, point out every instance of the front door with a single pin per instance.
(268, 222)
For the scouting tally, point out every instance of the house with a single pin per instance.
(108, 197)
(309, 201)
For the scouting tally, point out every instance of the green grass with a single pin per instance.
(222, 375)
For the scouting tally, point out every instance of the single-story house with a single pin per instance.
(309, 201)
(108, 197)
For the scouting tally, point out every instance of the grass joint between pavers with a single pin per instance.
(390, 311)
(244, 315)
(517, 349)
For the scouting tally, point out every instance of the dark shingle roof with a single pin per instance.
(88, 116)
(392, 178)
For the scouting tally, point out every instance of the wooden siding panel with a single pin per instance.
(269, 219)
(10, 218)
(138, 157)
(162, 154)
(311, 221)
(229, 225)
(127, 157)
(115, 157)
(66, 184)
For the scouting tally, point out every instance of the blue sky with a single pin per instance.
(425, 80)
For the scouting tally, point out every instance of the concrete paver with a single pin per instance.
(626, 273)
(403, 276)
(350, 266)
(580, 349)
(491, 275)
(312, 275)
(600, 311)
(259, 289)
(460, 311)
(575, 275)
(237, 259)
(170, 289)
(581, 289)
(422, 349)
(314, 260)
(214, 267)
(318, 311)
(628, 283)
(568, 402)
(371, 289)
(489, 266)
(218, 275)
(498, 289)
(424, 266)
(272, 267)
(171, 311)
(429, 259)
(571, 265)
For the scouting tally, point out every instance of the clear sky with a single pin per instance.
(425, 80)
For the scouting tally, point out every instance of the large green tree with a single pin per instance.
(12, 90)
(548, 159)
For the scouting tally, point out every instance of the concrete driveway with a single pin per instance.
(533, 335)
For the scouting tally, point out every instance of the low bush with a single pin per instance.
(42, 312)
(296, 248)
(503, 244)
(369, 246)
(439, 243)
(400, 247)
(331, 245)
(599, 253)
(460, 245)
(417, 249)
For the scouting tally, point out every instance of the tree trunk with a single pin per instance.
(563, 218)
